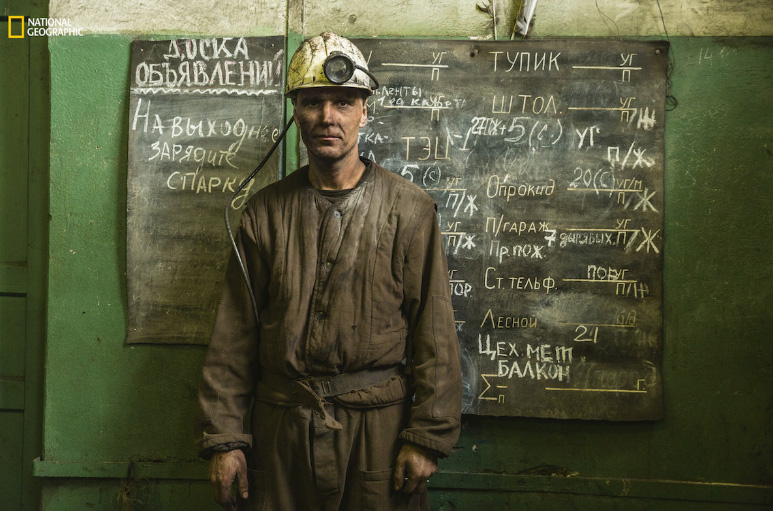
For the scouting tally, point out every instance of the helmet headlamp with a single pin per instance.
(339, 69)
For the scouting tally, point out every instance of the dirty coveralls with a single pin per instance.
(358, 287)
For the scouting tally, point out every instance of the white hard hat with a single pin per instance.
(329, 60)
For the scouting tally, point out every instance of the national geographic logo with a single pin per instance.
(15, 27)
(20, 27)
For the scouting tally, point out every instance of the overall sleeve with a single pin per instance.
(230, 368)
(433, 347)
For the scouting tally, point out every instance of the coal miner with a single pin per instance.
(349, 376)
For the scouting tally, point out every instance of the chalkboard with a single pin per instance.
(202, 113)
(546, 161)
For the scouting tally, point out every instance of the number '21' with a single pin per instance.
(586, 334)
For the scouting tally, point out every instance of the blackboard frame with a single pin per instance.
(603, 316)
(202, 113)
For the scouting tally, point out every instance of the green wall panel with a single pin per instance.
(719, 280)
(13, 333)
(128, 495)
(109, 402)
(11, 430)
(546, 501)
(14, 82)
(23, 250)
(105, 400)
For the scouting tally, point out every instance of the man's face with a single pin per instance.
(330, 119)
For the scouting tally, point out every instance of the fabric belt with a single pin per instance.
(311, 391)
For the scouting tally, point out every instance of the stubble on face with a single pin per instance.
(329, 119)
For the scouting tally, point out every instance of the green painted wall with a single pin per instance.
(118, 418)
(23, 252)
(116, 401)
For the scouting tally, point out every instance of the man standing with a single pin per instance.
(352, 369)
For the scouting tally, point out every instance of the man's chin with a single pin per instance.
(326, 154)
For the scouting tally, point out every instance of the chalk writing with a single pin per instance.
(425, 147)
(222, 62)
(201, 113)
(508, 322)
(508, 191)
(543, 61)
(530, 251)
(521, 283)
(500, 225)
(546, 167)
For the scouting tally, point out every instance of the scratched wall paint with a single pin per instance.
(600, 18)
(195, 17)
(450, 18)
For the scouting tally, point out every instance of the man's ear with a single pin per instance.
(295, 117)
(364, 117)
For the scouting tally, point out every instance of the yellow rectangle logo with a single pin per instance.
(11, 19)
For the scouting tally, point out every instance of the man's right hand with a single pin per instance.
(225, 468)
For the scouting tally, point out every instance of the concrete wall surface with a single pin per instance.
(437, 18)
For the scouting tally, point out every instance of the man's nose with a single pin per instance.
(328, 112)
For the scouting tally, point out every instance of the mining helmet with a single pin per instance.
(329, 60)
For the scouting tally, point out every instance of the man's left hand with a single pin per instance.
(413, 468)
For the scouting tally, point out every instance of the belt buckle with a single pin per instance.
(322, 386)
(326, 384)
